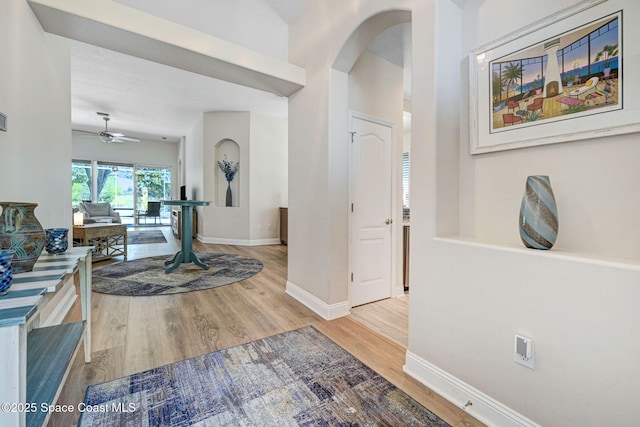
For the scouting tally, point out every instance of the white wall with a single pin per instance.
(469, 299)
(193, 161)
(269, 175)
(248, 23)
(220, 221)
(261, 181)
(35, 96)
(471, 294)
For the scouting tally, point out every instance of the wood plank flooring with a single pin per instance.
(132, 334)
(389, 317)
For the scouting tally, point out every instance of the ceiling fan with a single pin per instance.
(108, 136)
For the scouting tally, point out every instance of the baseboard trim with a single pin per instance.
(483, 407)
(321, 308)
(239, 242)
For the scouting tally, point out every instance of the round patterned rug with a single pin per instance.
(146, 276)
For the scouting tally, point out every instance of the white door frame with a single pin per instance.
(396, 289)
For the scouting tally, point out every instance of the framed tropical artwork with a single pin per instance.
(559, 79)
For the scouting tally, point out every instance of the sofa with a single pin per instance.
(98, 212)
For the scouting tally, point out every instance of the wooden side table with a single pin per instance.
(108, 240)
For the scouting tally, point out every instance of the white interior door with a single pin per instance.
(371, 219)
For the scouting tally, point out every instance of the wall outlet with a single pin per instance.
(523, 353)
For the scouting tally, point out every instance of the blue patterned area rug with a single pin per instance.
(146, 276)
(143, 237)
(298, 378)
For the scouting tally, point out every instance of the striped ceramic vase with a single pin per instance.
(538, 214)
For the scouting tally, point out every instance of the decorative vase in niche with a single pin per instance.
(229, 199)
(538, 214)
(57, 241)
(6, 275)
(21, 232)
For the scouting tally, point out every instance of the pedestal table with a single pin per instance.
(186, 255)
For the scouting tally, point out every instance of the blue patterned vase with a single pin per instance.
(21, 232)
(57, 240)
(6, 275)
(538, 214)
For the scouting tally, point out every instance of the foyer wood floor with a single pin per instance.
(132, 334)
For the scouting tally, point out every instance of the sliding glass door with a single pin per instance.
(153, 185)
(115, 186)
(81, 182)
(128, 188)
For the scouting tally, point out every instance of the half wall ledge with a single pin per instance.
(560, 254)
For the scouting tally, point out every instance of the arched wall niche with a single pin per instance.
(227, 194)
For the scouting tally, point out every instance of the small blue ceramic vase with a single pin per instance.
(57, 241)
(6, 276)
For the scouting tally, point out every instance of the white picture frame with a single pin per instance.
(564, 112)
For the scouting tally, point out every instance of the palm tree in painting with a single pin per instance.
(512, 74)
(497, 86)
(607, 52)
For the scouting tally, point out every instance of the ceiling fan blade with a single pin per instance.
(127, 138)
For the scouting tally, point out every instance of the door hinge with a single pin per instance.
(352, 134)
(352, 277)
(351, 207)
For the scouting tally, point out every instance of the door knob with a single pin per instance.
(388, 221)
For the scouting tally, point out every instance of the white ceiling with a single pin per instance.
(158, 102)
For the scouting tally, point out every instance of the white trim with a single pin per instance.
(483, 407)
(321, 308)
(239, 242)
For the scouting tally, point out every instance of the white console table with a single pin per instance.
(34, 362)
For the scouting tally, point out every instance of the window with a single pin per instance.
(154, 185)
(81, 183)
(127, 187)
(405, 180)
(115, 184)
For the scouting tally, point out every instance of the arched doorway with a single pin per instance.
(359, 44)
